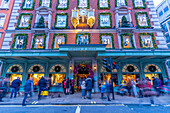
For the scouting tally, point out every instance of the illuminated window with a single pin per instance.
(39, 42)
(142, 20)
(103, 70)
(59, 39)
(139, 3)
(147, 41)
(24, 22)
(57, 79)
(152, 68)
(2, 21)
(16, 68)
(37, 67)
(82, 39)
(20, 41)
(107, 39)
(103, 3)
(127, 42)
(45, 3)
(61, 20)
(82, 3)
(62, 4)
(4, 3)
(28, 4)
(130, 68)
(105, 20)
(121, 2)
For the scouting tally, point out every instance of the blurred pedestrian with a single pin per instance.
(89, 86)
(64, 86)
(67, 86)
(72, 86)
(15, 87)
(42, 86)
(134, 88)
(129, 86)
(103, 87)
(140, 87)
(83, 88)
(156, 85)
(109, 88)
(79, 84)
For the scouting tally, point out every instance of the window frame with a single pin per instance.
(112, 39)
(132, 42)
(83, 34)
(84, 7)
(62, 8)
(3, 15)
(2, 5)
(165, 9)
(19, 20)
(147, 18)
(98, 3)
(110, 17)
(65, 14)
(33, 43)
(54, 37)
(139, 7)
(40, 4)
(23, 4)
(126, 3)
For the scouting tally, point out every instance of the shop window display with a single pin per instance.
(105, 77)
(13, 77)
(131, 76)
(142, 20)
(105, 20)
(107, 40)
(57, 79)
(147, 41)
(36, 78)
(39, 42)
(127, 42)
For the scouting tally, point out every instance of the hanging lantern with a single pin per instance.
(14, 69)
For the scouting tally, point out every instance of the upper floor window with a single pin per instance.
(138, 3)
(103, 4)
(24, 21)
(2, 21)
(105, 20)
(62, 4)
(164, 27)
(61, 20)
(127, 41)
(20, 41)
(107, 39)
(82, 3)
(160, 13)
(121, 2)
(82, 39)
(166, 9)
(58, 39)
(46, 3)
(28, 4)
(142, 20)
(4, 4)
(39, 41)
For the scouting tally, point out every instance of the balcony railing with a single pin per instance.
(126, 24)
(38, 25)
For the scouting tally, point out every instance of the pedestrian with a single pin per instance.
(134, 88)
(99, 83)
(28, 90)
(140, 87)
(72, 86)
(67, 86)
(89, 86)
(83, 88)
(123, 83)
(156, 85)
(79, 84)
(109, 88)
(129, 86)
(103, 87)
(64, 86)
(42, 86)
(15, 87)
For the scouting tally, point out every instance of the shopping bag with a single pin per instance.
(44, 93)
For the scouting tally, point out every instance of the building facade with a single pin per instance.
(69, 38)
(164, 18)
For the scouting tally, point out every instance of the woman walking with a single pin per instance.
(134, 88)
(83, 88)
(129, 86)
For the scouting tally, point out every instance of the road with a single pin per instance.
(84, 109)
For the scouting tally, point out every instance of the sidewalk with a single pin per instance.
(76, 99)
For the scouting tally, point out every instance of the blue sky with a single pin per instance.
(157, 2)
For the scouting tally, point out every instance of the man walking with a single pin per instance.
(28, 90)
(42, 86)
(89, 86)
(156, 85)
(15, 86)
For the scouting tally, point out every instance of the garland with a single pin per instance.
(62, 8)
(83, 34)
(25, 40)
(65, 36)
(35, 38)
(56, 21)
(107, 13)
(127, 34)
(98, 3)
(142, 7)
(40, 3)
(125, 3)
(148, 20)
(23, 3)
(153, 40)
(107, 34)
(84, 7)
(19, 20)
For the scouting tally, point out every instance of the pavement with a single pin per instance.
(76, 99)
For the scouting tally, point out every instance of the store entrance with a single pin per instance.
(13, 77)
(154, 75)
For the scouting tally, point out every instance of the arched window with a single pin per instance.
(103, 70)
(130, 68)
(57, 68)
(16, 68)
(152, 68)
(36, 68)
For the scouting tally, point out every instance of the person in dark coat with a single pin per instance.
(67, 86)
(72, 86)
(28, 89)
(42, 86)
(89, 86)
(156, 85)
(15, 86)
(109, 88)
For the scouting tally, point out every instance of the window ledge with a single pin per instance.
(3, 8)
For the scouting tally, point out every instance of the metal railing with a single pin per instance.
(126, 24)
(38, 25)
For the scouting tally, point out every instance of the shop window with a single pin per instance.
(105, 77)
(131, 76)
(13, 77)
(82, 3)
(36, 78)
(130, 68)
(2, 21)
(139, 3)
(4, 3)
(57, 68)
(45, 3)
(160, 13)
(105, 20)
(24, 22)
(62, 3)
(28, 4)
(146, 41)
(151, 68)
(61, 20)
(103, 3)
(166, 9)
(82, 39)
(121, 2)
(103, 70)
(142, 20)
(107, 39)
(57, 79)
(16, 68)
(59, 39)
(164, 27)
(36, 68)
(127, 42)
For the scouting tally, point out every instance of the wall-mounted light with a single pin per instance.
(71, 69)
(95, 68)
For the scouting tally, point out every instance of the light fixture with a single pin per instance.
(71, 69)
(94, 68)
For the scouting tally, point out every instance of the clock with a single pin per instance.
(83, 12)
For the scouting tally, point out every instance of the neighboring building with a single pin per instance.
(163, 11)
(69, 38)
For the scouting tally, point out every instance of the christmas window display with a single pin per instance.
(107, 39)
(105, 20)
(28, 5)
(82, 39)
(57, 79)
(58, 39)
(20, 41)
(62, 4)
(24, 21)
(127, 41)
(61, 21)
(82, 3)
(39, 41)
(142, 20)
(103, 4)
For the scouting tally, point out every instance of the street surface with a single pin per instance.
(119, 108)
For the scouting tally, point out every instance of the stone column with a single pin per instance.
(46, 74)
(24, 76)
(117, 19)
(129, 14)
(37, 17)
(49, 19)
(119, 40)
(47, 40)
(141, 70)
(94, 68)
